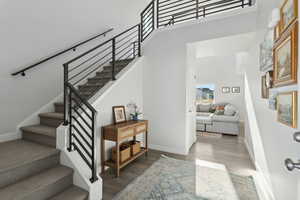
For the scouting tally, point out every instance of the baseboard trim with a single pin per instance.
(10, 136)
(249, 151)
(180, 151)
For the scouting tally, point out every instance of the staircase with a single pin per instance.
(29, 167)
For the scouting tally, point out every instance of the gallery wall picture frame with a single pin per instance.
(286, 58)
(264, 89)
(119, 114)
(266, 52)
(287, 108)
(236, 90)
(288, 14)
(225, 90)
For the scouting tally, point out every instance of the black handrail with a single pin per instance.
(22, 71)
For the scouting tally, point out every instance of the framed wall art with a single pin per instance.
(288, 14)
(225, 90)
(119, 114)
(266, 52)
(286, 58)
(236, 90)
(287, 108)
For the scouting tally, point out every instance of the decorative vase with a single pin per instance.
(135, 117)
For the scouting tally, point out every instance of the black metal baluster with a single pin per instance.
(243, 3)
(157, 13)
(197, 9)
(153, 18)
(142, 24)
(70, 120)
(113, 58)
(94, 164)
(139, 39)
(66, 71)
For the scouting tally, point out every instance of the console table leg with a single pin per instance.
(146, 136)
(118, 159)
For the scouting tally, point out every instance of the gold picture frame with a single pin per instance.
(285, 56)
(287, 108)
(288, 14)
(277, 32)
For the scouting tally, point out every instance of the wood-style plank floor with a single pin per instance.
(228, 150)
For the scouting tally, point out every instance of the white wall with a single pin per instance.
(128, 88)
(33, 29)
(272, 142)
(165, 76)
(221, 71)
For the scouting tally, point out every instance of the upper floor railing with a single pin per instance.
(171, 12)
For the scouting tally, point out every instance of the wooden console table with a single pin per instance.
(118, 133)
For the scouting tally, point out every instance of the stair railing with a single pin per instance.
(170, 12)
(82, 130)
(79, 114)
(148, 20)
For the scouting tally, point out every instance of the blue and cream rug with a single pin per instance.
(172, 179)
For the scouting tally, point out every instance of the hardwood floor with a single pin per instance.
(228, 150)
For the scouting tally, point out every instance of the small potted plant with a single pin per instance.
(134, 111)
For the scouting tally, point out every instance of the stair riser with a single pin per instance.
(90, 87)
(50, 121)
(98, 81)
(27, 170)
(59, 108)
(51, 190)
(40, 139)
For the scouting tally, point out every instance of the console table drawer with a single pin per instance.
(141, 128)
(125, 133)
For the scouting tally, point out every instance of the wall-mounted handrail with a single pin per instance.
(73, 48)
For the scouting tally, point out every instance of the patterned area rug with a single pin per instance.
(172, 179)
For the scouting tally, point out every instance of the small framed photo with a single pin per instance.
(225, 90)
(287, 108)
(119, 114)
(236, 90)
